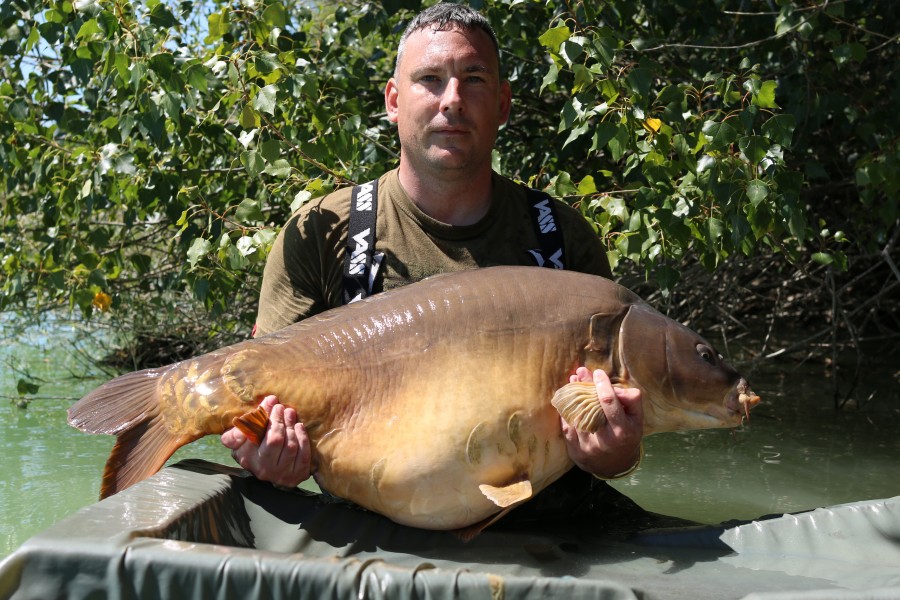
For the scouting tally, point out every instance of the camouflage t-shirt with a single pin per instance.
(304, 272)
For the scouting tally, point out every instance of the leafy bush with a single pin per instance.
(150, 151)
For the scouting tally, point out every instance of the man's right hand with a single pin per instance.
(283, 457)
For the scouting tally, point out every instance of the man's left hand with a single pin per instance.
(614, 448)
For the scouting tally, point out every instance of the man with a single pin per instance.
(443, 209)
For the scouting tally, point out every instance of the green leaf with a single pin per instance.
(265, 99)
(18, 110)
(163, 64)
(275, 15)
(640, 80)
(604, 132)
(780, 129)
(300, 199)
(670, 94)
(88, 30)
(266, 62)
(576, 133)
(245, 246)
(33, 36)
(716, 228)
(249, 211)
(161, 17)
(823, 258)
(615, 206)
(754, 147)
(279, 168)
(554, 37)
(270, 150)
(666, 277)
(562, 185)
(587, 186)
(757, 191)
(253, 162)
(618, 145)
(765, 98)
(845, 53)
(249, 118)
(217, 25)
(196, 76)
(583, 77)
(200, 247)
(550, 77)
(571, 50)
(720, 135)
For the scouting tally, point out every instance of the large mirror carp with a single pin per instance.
(436, 404)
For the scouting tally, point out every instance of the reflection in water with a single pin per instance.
(797, 453)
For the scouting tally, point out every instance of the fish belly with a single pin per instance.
(422, 455)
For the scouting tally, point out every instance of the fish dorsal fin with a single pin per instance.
(253, 424)
(507, 495)
(579, 405)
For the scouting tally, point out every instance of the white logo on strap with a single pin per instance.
(364, 198)
(358, 257)
(545, 216)
(554, 258)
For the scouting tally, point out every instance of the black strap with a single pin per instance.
(546, 225)
(360, 265)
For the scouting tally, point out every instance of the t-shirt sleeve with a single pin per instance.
(585, 251)
(303, 271)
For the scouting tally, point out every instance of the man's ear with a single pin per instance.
(391, 103)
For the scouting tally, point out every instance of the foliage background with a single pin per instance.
(739, 159)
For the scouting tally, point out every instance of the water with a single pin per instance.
(49, 470)
(797, 453)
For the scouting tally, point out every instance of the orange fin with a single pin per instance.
(139, 452)
(507, 495)
(579, 405)
(253, 424)
(128, 407)
(467, 534)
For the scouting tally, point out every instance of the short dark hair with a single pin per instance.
(447, 16)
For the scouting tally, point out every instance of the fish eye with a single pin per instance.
(706, 353)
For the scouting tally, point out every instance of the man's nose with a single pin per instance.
(451, 100)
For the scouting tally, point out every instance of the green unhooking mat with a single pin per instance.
(200, 530)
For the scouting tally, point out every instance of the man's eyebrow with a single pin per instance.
(473, 68)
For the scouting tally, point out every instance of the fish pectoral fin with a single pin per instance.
(253, 424)
(508, 495)
(579, 405)
(467, 534)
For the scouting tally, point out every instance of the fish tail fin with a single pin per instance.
(129, 408)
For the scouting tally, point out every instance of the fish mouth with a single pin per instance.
(741, 400)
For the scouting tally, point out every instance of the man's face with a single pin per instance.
(447, 100)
